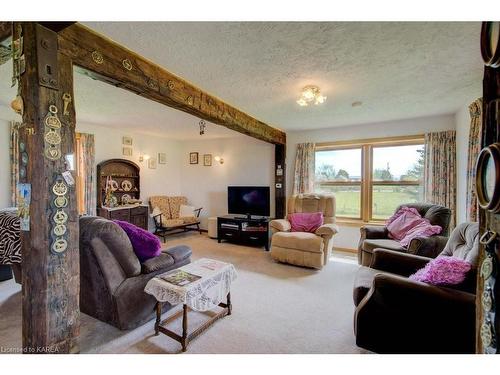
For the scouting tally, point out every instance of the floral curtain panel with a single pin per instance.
(303, 181)
(14, 160)
(475, 133)
(87, 172)
(440, 170)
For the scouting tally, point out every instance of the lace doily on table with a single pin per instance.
(201, 295)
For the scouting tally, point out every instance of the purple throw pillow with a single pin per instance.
(146, 245)
(305, 221)
(443, 270)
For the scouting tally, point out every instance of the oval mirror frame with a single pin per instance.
(487, 202)
(490, 43)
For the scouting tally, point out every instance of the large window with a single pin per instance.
(371, 178)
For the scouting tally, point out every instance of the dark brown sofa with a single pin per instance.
(397, 315)
(377, 237)
(112, 279)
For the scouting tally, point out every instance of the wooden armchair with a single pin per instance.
(167, 217)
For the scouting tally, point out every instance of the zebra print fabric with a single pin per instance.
(10, 243)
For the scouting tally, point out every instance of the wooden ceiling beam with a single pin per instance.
(108, 61)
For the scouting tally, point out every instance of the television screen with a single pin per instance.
(248, 200)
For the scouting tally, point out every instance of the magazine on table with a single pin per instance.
(179, 277)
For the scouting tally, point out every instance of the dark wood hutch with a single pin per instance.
(126, 185)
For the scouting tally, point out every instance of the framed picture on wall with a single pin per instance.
(162, 158)
(207, 160)
(127, 151)
(152, 163)
(193, 158)
(127, 141)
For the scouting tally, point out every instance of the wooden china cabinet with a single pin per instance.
(124, 179)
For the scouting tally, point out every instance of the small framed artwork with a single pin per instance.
(152, 163)
(193, 158)
(162, 158)
(207, 160)
(127, 141)
(127, 151)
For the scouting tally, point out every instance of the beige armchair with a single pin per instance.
(301, 248)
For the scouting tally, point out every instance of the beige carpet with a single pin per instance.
(277, 308)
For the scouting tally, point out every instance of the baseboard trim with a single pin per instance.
(345, 249)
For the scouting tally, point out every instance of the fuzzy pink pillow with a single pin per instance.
(305, 221)
(443, 270)
(402, 221)
(422, 229)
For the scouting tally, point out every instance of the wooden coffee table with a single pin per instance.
(200, 286)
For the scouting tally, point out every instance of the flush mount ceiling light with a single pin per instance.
(309, 95)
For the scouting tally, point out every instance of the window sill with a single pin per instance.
(357, 223)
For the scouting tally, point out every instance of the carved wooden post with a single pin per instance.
(280, 180)
(50, 253)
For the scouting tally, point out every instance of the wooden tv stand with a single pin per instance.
(241, 229)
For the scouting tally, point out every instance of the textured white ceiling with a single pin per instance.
(398, 70)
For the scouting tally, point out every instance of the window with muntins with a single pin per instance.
(370, 178)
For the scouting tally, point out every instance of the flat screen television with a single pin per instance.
(248, 200)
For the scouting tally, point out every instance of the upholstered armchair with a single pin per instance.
(301, 248)
(377, 237)
(395, 314)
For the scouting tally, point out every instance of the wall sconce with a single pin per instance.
(144, 157)
(219, 159)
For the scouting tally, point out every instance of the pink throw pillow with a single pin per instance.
(305, 221)
(443, 270)
(422, 229)
(402, 221)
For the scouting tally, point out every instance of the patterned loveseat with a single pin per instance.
(168, 218)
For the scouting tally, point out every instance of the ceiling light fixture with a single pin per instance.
(309, 95)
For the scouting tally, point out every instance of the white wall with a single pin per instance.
(164, 180)
(247, 161)
(5, 192)
(348, 236)
(462, 121)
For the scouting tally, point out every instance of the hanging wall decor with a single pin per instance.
(490, 44)
(488, 273)
(207, 160)
(488, 178)
(127, 64)
(52, 135)
(60, 216)
(97, 57)
(23, 205)
(67, 100)
(193, 158)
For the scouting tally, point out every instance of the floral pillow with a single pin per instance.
(443, 270)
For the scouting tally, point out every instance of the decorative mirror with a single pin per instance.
(488, 178)
(490, 43)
